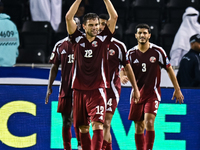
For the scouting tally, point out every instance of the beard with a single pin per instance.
(144, 41)
(91, 34)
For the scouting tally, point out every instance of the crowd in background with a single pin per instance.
(41, 24)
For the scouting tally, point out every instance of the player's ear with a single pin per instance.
(149, 35)
(83, 26)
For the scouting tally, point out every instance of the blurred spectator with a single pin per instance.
(9, 40)
(47, 10)
(189, 70)
(188, 27)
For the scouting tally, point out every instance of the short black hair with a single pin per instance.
(143, 25)
(104, 16)
(89, 16)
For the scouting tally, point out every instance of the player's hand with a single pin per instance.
(179, 96)
(49, 91)
(136, 96)
(124, 79)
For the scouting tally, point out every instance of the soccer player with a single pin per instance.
(64, 54)
(116, 58)
(90, 73)
(147, 59)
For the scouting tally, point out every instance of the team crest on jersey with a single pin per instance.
(94, 44)
(111, 52)
(167, 61)
(152, 59)
(52, 56)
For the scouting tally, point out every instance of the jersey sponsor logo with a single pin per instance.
(63, 51)
(152, 59)
(101, 117)
(52, 56)
(82, 44)
(155, 111)
(111, 52)
(94, 44)
(136, 61)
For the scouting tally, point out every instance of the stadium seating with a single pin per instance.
(175, 8)
(167, 35)
(129, 36)
(119, 31)
(15, 9)
(31, 55)
(163, 16)
(146, 11)
(37, 35)
(60, 33)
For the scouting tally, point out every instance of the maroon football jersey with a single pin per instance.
(147, 68)
(116, 58)
(90, 69)
(64, 55)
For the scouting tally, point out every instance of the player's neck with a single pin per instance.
(90, 38)
(143, 47)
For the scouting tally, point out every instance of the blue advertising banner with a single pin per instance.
(27, 123)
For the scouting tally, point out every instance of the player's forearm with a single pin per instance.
(73, 9)
(112, 14)
(122, 73)
(131, 76)
(71, 25)
(52, 75)
(173, 78)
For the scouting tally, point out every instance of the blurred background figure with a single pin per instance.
(9, 40)
(47, 10)
(188, 27)
(189, 70)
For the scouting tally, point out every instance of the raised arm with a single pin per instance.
(71, 24)
(112, 15)
(177, 91)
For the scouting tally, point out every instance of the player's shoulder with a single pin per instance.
(132, 50)
(60, 42)
(157, 48)
(118, 43)
(114, 40)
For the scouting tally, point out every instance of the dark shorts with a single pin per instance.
(112, 100)
(89, 105)
(137, 111)
(65, 105)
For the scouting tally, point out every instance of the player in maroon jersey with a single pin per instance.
(116, 58)
(90, 73)
(63, 55)
(147, 59)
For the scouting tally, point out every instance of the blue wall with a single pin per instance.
(27, 123)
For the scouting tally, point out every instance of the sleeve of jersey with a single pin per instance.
(124, 61)
(74, 36)
(164, 59)
(54, 59)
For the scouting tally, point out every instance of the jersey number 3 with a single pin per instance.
(144, 67)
